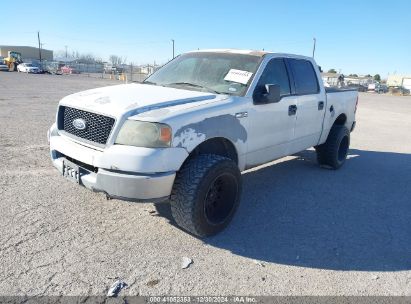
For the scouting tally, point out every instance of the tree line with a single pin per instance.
(90, 58)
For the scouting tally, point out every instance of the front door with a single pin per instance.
(272, 125)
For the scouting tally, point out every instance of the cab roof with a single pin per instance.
(258, 53)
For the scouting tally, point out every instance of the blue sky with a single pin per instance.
(352, 36)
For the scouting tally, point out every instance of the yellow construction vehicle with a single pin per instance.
(13, 60)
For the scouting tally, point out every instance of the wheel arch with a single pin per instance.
(341, 120)
(215, 145)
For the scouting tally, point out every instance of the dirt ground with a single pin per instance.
(300, 229)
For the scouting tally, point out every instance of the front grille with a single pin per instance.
(98, 127)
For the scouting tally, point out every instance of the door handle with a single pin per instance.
(241, 114)
(292, 110)
(320, 105)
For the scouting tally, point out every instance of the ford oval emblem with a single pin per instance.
(79, 124)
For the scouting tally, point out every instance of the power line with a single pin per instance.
(67, 38)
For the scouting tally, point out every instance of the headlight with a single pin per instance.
(144, 134)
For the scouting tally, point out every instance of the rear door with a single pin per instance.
(311, 104)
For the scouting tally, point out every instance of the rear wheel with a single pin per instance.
(206, 194)
(334, 151)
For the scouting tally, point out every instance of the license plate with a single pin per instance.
(71, 171)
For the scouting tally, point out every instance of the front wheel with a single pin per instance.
(334, 151)
(206, 194)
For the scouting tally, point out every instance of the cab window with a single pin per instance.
(305, 78)
(274, 73)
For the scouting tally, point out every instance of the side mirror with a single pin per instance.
(272, 94)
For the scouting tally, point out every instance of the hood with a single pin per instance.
(132, 99)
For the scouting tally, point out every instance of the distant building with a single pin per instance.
(28, 53)
(361, 80)
(147, 69)
(330, 78)
(399, 81)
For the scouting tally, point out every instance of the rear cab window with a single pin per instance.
(305, 78)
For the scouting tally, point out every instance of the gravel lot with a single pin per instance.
(313, 231)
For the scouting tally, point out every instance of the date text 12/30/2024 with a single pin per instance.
(202, 299)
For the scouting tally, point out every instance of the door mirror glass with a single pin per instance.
(272, 94)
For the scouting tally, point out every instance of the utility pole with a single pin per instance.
(315, 40)
(38, 38)
(66, 50)
(131, 71)
(172, 40)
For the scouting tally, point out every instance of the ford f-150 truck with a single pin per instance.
(185, 134)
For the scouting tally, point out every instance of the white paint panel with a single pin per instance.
(406, 83)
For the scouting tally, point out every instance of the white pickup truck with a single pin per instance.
(185, 133)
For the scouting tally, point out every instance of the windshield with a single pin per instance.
(209, 72)
(29, 65)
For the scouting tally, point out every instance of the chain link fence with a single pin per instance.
(126, 73)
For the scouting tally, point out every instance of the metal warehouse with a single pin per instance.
(27, 52)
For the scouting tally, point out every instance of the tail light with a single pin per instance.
(356, 105)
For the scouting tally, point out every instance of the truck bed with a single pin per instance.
(336, 90)
(344, 102)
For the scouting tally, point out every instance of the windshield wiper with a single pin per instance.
(149, 82)
(193, 85)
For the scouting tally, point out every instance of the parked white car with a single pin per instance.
(185, 134)
(372, 86)
(27, 68)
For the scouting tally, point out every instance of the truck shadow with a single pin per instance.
(295, 213)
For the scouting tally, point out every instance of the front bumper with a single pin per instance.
(124, 186)
(127, 173)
